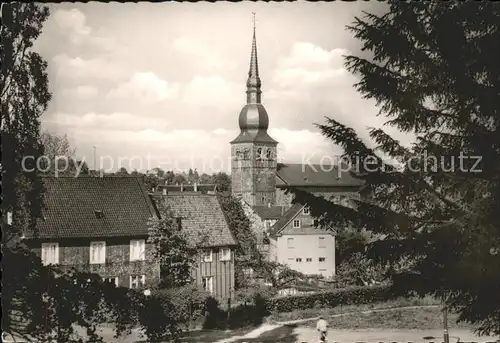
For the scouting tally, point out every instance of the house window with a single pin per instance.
(137, 249)
(97, 252)
(305, 210)
(322, 259)
(137, 281)
(50, 253)
(298, 259)
(289, 242)
(315, 222)
(225, 254)
(9, 218)
(207, 256)
(111, 280)
(208, 284)
(296, 223)
(309, 259)
(321, 242)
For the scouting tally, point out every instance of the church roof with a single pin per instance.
(269, 212)
(291, 174)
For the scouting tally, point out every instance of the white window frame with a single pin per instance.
(208, 255)
(321, 242)
(9, 218)
(298, 225)
(319, 259)
(142, 281)
(298, 259)
(109, 279)
(54, 259)
(101, 259)
(207, 283)
(225, 254)
(309, 259)
(288, 241)
(137, 249)
(306, 211)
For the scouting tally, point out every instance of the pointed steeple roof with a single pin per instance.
(253, 119)
(253, 82)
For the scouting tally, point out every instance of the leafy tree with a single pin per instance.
(122, 171)
(241, 228)
(159, 172)
(175, 249)
(59, 158)
(151, 181)
(179, 179)
(222, 181)
(25, 96)
(435, 74)
(72, 297)
(205, 178)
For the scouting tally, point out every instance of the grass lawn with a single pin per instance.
(420, 318)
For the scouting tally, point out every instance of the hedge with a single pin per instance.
(328, 299)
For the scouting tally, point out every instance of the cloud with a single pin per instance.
(80, 92)
(309, 64)
(145, 86)
(201, 54)
(213, 91)
(87, 69)
(99, 121)
(73, 24)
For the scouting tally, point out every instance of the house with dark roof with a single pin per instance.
(202, 216)
(261, 182)
(98, 225)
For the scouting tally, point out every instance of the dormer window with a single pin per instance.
(305, 211)
(98, 214)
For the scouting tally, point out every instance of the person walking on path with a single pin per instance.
(322, 327)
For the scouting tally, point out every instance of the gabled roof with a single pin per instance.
(202, 215)
(291, 174)
(285, 219)
(81, 207)
(269, 212)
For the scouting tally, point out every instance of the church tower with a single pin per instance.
(253, 163)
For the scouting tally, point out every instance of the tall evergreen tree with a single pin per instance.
(435, 74)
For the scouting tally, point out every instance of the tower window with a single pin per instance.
(269, 154)
(259, 154)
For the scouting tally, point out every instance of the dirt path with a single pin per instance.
(304, 334)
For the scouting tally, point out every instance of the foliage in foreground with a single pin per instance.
(434, 74)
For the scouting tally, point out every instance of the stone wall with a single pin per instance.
(253, 176)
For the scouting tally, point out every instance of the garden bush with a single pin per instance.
(337, 297)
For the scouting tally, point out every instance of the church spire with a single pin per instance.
(253, 82)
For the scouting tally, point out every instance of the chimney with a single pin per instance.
(164, 191)
(195, 187)
(182, 187)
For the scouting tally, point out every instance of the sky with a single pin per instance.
(162, 84)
